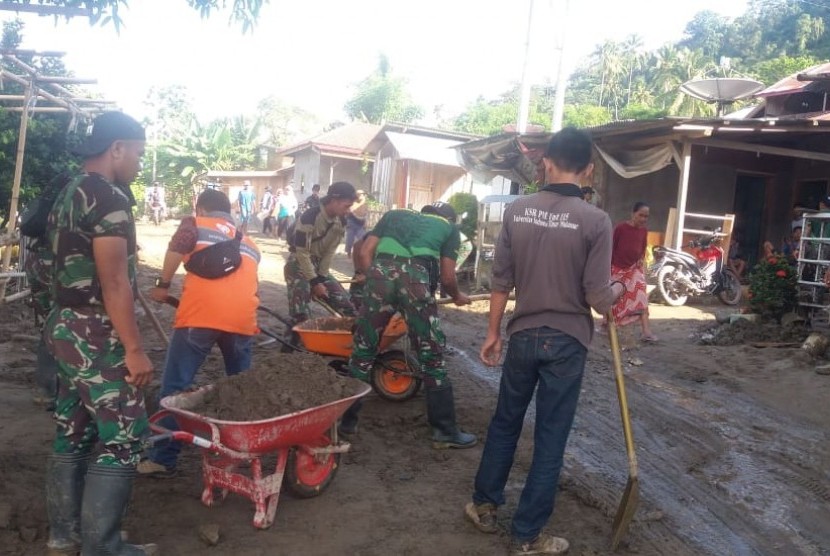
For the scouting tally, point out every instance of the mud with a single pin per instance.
(745, 332)
(732, 445)
(332, 324)
(279, 384)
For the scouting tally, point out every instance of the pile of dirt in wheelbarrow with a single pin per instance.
(746, 332)
(279, 384)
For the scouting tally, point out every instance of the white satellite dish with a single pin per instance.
(722, 90)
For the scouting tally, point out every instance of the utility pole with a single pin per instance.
(561, 77)
(524, 100)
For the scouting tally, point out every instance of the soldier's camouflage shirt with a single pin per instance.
(87, 208)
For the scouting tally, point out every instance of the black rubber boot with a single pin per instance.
(64, 491)
(441, 417)
(348, 422)
(106, 494)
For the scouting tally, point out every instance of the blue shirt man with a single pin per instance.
(245, 202)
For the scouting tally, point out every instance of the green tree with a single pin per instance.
(382, 97)
(106, 12)
(706, 32)
(45, 153)
(488, 117)
(771, 71)
(282, 123)
(585, 115)
(633, 60)
(466, 205)
(224, 145)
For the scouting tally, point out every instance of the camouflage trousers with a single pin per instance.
(299, 293)
(95, 404)
(399, 286)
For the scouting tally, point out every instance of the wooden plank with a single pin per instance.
(671, 226)
(763, 149)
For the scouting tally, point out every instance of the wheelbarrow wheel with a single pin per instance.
(393, 378)
(307, 476)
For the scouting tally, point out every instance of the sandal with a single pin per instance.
(651, 339)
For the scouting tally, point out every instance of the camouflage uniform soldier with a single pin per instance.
(403, 258)
(94, 337)
(312, 245)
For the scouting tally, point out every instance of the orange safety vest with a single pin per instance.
(228, 303)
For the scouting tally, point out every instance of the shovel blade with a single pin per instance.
(625, 511)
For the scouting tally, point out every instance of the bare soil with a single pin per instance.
(744, 332)
(732, 443)
(277, 384)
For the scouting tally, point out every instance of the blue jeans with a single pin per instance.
(187, 351)
(355, 230)
(555, 361)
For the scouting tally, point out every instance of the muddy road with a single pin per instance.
(732, 444)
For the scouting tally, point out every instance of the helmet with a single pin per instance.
(442, 209)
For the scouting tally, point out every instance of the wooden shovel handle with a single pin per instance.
(155, 321)
(620, 383)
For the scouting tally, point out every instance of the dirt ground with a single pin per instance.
(732, 444)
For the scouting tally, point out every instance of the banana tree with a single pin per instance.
(223, 145)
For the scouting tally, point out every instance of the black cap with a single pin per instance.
(442, 209)
(106, 129)
(341, 190)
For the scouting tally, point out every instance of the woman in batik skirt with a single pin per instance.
(628, 267)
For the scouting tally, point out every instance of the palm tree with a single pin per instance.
(634, 59)
(673, 67)
(609, 59)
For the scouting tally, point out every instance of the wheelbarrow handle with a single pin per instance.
(180, 436)
(283, 341)
(276, 315)
(190, 438)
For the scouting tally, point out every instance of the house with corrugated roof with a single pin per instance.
(759, 166)
(336, 155)
(416, 166)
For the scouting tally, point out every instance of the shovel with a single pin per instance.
(631, 496)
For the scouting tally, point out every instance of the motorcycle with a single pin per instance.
(679, 274)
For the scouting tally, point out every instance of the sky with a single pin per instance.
(312, 53)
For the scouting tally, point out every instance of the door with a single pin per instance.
(750, 192)
(419, 195)
(810, 193)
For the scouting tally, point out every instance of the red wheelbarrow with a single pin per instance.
(305, 442)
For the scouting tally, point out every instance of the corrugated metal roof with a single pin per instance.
(350, 138)
(424, 149)
(791, 84)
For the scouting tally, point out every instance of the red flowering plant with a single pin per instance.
(772, 287)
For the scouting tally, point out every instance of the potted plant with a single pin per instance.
(772, 287)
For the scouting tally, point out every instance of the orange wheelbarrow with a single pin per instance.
(305, 442)
(395, 377)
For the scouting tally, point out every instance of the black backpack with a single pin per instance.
(217, 260)
(34, 219)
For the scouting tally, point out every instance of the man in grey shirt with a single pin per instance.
(555, 250)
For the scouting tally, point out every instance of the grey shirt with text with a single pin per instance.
(556, 251)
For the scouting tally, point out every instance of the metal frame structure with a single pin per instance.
(38, 89)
